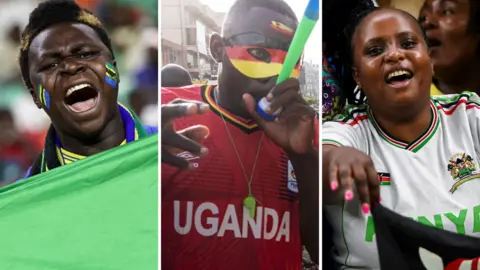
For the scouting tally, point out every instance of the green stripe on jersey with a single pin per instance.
(350, 112)
(415, 145)
(449, 101)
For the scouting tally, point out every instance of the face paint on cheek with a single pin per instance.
(43, 96)
(111, 75)
(248, 65)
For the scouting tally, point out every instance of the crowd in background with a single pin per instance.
(132, 25)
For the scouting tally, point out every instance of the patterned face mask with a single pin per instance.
(330, 92)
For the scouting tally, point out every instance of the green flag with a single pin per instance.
(99, 213)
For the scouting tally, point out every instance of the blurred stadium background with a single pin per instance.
(132, 25)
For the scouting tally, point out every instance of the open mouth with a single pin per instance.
(81, 98)
(399, 77)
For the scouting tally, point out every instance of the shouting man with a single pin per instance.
(68, 65)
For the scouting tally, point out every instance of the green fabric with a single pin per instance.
(99, 213)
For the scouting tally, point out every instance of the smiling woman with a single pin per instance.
(397, 141)
(68, 65)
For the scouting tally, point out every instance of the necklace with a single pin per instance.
(249, 202)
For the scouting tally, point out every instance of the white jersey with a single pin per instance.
(435, 179)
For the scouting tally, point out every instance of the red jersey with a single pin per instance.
(204, 223)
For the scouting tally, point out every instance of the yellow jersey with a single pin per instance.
(434, 91)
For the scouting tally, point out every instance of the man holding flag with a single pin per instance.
(68, 65)
(239, 205)
(100, 212)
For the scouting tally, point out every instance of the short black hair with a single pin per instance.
(242, 7)
(49, 13)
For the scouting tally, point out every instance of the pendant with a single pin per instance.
(250, 203)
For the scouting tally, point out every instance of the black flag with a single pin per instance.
(404, 244)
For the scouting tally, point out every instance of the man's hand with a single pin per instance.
(293, 129)
(187, 139)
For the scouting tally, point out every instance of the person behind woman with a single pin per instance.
(453, 32)
(418, 152)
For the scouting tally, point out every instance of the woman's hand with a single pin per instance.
(348, 168)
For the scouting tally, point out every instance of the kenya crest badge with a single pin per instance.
(462, 168)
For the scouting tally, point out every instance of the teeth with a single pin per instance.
(397, 73)
(76, 88)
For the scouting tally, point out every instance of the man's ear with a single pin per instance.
(34, 95)
(216, 47)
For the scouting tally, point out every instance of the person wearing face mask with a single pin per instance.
(420, 153)
(453, 33)
(67, 64)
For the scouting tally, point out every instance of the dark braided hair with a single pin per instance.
(53, 12)
(353, 94)
(341, 20)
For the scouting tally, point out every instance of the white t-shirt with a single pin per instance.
(434, 179)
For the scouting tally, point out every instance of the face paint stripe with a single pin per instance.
(241, 53)
(111, 76)
(40, 94)
(47, 98)
(260, 70)
(251, 67)
(111, 81)
(110, 66)
(43, 97)
(111, 72)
